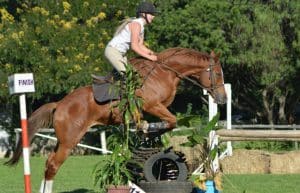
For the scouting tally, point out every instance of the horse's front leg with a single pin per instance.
(160, 111)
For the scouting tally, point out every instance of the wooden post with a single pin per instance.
(258, 135)
(296, 142)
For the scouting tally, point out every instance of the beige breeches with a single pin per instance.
(116, 58)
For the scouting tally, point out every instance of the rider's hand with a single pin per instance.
(153, 58)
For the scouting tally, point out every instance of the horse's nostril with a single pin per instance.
(224, 100)
(221, 99)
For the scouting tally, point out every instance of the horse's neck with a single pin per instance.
(186, 68)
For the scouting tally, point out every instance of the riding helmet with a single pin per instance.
(146, 7)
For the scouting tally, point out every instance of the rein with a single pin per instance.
(213, 83)
(181, 76)
(186, 78)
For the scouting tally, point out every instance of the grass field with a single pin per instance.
(75, 176)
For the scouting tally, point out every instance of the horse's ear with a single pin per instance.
(215, 55)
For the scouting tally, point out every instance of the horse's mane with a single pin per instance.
(184, 52)
(143, 65)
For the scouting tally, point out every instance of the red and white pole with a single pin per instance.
(21, 83)
(25, 143)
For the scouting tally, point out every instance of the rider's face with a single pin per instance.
(149, 17)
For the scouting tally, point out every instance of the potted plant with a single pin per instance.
(207, 178)
(113, 173)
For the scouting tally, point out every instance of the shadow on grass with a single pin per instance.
(80, 191)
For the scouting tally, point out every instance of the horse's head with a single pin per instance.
(212, 79)
(205, 68)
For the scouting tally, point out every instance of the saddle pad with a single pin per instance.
(105, 92)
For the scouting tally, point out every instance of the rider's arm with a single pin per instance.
(142, 45)
(137, 43)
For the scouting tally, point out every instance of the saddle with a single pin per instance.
(105, 88)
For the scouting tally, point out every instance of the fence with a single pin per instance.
(257, 133)
(262, 126)
(103, 148)
(274, 133)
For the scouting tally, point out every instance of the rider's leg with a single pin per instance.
(119, 61)
(116, 58)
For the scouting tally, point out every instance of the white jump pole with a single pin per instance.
(20, 84)
(103, 141)
(228, 116)
(212, 111)
(212, 108)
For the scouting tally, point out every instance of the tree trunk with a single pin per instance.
(268, 105)
(281, 111)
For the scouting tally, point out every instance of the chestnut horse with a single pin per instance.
(73, 115)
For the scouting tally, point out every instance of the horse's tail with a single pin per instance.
(40, 118)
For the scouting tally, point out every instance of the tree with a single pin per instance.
(62, 43)
(259, 60)
(269, 60)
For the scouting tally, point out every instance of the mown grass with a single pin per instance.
(261, 183)
(75, 176)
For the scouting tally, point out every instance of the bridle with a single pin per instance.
(213, 86)
(212, 76)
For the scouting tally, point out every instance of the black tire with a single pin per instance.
(139, 157)
(166, 187)
(165, 166)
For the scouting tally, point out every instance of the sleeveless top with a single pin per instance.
(122, 40)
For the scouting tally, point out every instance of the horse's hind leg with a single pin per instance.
(54, 161)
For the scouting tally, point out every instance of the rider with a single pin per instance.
(130, 34)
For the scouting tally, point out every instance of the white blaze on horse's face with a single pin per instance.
(217, 84)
